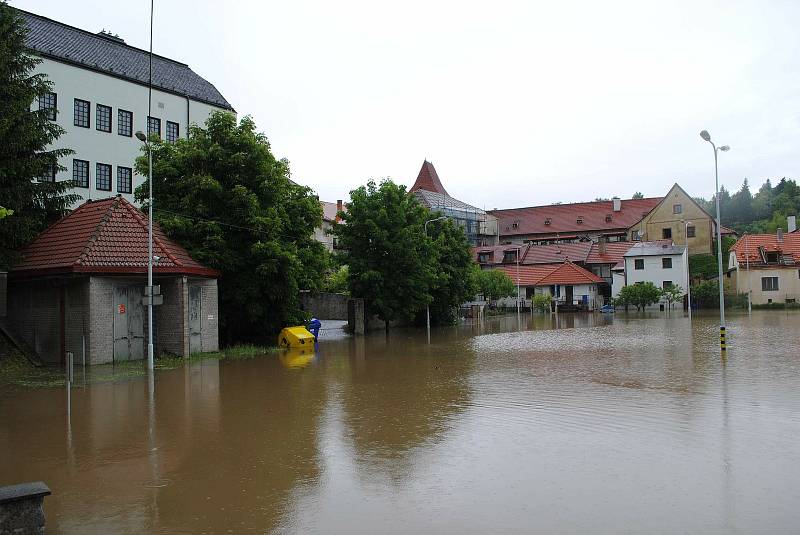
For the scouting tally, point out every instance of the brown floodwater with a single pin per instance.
(600, 424)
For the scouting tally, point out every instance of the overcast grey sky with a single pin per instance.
(515, 103)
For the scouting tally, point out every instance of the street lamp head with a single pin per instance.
(724, 148)
(141, 137)
(705, 135)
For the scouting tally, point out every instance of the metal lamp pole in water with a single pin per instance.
(428, 307)
(688, 274)
(706, 136)
(143, 138)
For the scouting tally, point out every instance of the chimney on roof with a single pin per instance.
(601, 245)
(780, 235)
(617, 204)
(339, 208)
(791, 223)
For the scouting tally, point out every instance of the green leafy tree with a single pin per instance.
(453, 276)
(495, 284)
(672, 295)
(5, 212)
(639, 295)
(336, 280)
(638, 195)
(391, 262)
(26, 136)
(223, 195)
(542, 302)
(706, 294)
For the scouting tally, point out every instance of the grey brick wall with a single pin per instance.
(172, 326)
(76, 312)
(101, 320)
(209, 320)
(33, 308)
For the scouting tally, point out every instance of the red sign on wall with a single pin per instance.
(121, 309)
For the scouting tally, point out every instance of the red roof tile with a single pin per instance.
(747, 247)
(545, 275)
(107, 236)
(428, 180)
(560, 218)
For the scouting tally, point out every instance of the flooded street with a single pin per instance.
(607, 424)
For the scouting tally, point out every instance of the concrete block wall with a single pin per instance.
(209, 318)
(76, 318)
(101, 320)
(325, 306)
(172, 317)
(33, 314)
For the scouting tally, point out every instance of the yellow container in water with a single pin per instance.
(295, 337)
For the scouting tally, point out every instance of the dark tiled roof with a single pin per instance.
(58, 41)
(560, 218)
(107, 236)
(444, 202)
(428, 180)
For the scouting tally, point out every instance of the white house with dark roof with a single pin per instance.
(100, 98)
(659, 262)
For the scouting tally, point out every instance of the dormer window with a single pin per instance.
(547, 221)
(515, 224)
(580, 220)
(510, 256)
(484, 258)
(772, 257)
(608, 218)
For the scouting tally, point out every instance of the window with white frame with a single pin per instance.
(666, 263)
(80, 173)
(638, 263)
(769, 284)
(124, 179)
(81, 113)
(49, 102)
(103, 177)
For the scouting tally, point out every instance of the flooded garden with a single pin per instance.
(576, 424)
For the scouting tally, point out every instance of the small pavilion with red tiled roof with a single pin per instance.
(81, 283)
(570, 286)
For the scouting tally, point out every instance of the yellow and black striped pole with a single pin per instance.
(722, 345)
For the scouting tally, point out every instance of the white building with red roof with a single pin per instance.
(80, 288)
(767, 266)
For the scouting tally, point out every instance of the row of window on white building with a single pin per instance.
(102, 176)
(103, 114)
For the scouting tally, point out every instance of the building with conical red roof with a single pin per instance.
(480, 227)
(80, 288)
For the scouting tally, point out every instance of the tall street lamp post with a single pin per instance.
(428, 307)
(707, 137)
(688, 274)
(143, 138)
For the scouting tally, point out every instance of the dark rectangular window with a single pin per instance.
(49, 102)
(173, 132)
(483, 258)
(510, 256)
(638, 263)
(666, 263)
(81, 113)
(677, 209)
(154, 126)
(80, 173)
(103, 118)
(769, 284)
(666, 285)
(103, 177)
(124, 123)
(690, 231)
(49, 174)
(666, 233)
(124, 180)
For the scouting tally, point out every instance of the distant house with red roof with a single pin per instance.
(80, 288)
(587, 221)
(767, 266)
(569, 285)
(324, 233)
(479, 226)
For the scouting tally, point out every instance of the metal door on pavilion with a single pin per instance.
(195, 326)
(128, 323)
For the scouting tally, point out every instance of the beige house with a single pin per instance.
(667, 221)
(767, 266)
(330, 217)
